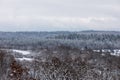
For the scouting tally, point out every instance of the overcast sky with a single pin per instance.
(58, 15)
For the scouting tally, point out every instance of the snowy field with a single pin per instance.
(115, 52)
(23, 52)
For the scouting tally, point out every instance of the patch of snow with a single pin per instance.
(96, 50)
(22, 52)
(115, 52)
(106, 50)
(24, 59)
(103, 54)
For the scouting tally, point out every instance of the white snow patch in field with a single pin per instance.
(115, 52)
(22, 52)
(96, 50)
(24, 59)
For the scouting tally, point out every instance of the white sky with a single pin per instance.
(55, 15)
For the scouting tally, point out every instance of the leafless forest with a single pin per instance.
(85, 55)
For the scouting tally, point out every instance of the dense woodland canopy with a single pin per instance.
(60, 55)
(80, 40)
(60, 64)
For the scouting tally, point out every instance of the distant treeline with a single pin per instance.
(79, 40)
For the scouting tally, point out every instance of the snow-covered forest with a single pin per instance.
(85, 55)
(85, 39)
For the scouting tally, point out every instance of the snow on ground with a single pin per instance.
(96, 50)
(115, 52)
(21, 51)
(24, 59)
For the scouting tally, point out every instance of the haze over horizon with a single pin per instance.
(59, 15)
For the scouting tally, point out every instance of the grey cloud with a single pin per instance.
(59, 14)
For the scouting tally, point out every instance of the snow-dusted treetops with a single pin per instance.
(80, 40)
(86, 55)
